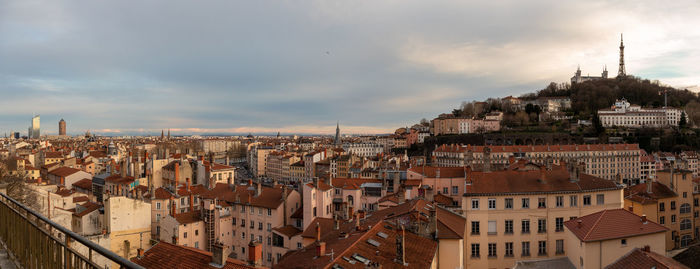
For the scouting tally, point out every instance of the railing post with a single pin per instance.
(67, 252)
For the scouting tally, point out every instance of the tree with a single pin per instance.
(597, 125)
(682, 124)
(424, 122)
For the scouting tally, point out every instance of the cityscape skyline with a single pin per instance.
(370, 66)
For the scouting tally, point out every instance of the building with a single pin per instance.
(645, 258)
(62, 127)
(363, 149)
(447, 124)
(600, 239)
(167, 256)
(34, 131)
(578, 78)
(670, 201)
(601, 160)
(624, 114)
(519, 214)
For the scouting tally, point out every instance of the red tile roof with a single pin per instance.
(288, 230)
(164, 255)
(638, 193)
(188, 217)
(450, 225)
(84, 183)
(611, 224)
(162, 194)
(538, 148)
(64, 171)
(445, 172)
(89, 207)
(638, 258)
(556, 180)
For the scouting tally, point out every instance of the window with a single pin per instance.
(662, 207)
(509, 249)
(299, 246)
(586, 200)
(492, 203)
(526, 203)
(314, 211)
(526, 248)
(269, 212)
(685, 208)
(573, 201)
(196, 232)
(696, 202)
(260, 226)
(157, 217)
(269, 256)
(600, 199)
(673, 218)
(243, 250)
(662, 220)
(185, 234)
(475, 227)
(673, 205)
(492, 227)
(560, 201)
(509, 203)
(158, 205)
(455, 190)
(623, 242)
(252, 224)
(259, 210)
(475, 251)
(686, 224)
(525, 224)
(560, 246)
(541, 202)
(492, 249)
(509, 226)
(685, 194)
(242, 222)
(196, 244)
(475, 204)
(559, 224)
(541, 225)
(269, 227)
(444, 190)
(685, 240)
(542, 248)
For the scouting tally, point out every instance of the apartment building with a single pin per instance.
(363, 149)
(602, 160)
(520, 215)
(447, 124)
(670, 201)
(624, 114)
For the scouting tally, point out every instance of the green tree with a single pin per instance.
(597, 125)
(683, 123)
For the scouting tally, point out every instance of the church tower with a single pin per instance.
(621, 72)
(337, 134)
(605, 72)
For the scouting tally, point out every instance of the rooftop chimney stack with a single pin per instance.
(320, 249)
(401, 248)
(644, 218)
(218, 258)
(254, 254)
(579, 223)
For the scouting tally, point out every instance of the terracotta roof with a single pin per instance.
(84, 183)
(64, 171)
(638, 193)
(64, 192)
(538, 148)
(89, 207)
(217, 166)
(450, 225)
(326, 224)
(321, 185)
(53, 155)
(351, 183)
(690, 257)
(288, 230)
(391, 197)
(161, 194)
(556, 180)
(445, 172)
(611, 224)
(164, 255)
(299, 213)
(80, 199)
(188, 217)
(638, 258)
(443, 199)
(270, 197)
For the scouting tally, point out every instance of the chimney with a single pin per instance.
(646, 248)
(631, 208)
(177, 173)
(258, 189)
(320, 249)
(188, 184)
(191, 202)
(644, 218)
(579, 223)
(650, 182)
(139, 252)
(218, 258)
(543, 175)
(172, 206)
(318, 232)
(401, 247)
(432, 225)
(357, 221)
(174, 240)
(254, 254)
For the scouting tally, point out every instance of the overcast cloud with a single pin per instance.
(300, 66)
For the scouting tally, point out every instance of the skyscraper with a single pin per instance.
(34, 130)
(62, 127)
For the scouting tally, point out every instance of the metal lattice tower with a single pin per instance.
(621, 72)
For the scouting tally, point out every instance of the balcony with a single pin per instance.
(34, 241)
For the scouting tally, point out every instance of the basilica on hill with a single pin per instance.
(578, 78)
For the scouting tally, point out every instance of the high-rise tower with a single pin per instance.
(62, 127)
(621, 72)
(34, 130)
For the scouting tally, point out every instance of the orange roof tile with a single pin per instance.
(611, 224)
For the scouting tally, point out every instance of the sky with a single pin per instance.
(202, 67)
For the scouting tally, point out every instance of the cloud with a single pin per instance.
(301, 66)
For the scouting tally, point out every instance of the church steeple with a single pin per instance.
(337, 134)
(621, 72)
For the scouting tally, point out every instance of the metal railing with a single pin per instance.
(37, 242)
